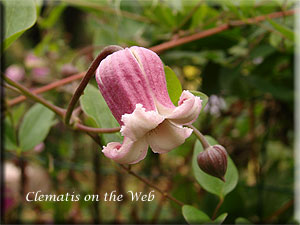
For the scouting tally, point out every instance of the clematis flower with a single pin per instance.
(133, 84)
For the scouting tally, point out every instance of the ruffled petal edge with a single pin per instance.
(130, 152)
(188, 109)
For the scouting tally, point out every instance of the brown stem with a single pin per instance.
(180, 41)
(48, 87)
(279, 211)
(89, 74)
(59, 111)
(217, 208)
(165, 194)
(82, 127)
(202, 34)
(12, 88)
(200, 136)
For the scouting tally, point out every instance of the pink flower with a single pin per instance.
(132, 81)
(39, 147)
(68, 69)
(32, 61)
(15, 73)
(40, 72)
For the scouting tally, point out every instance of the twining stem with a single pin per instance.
(217, 208)
(48, 87)
(59, 111)
(89, 74)
(200, 136)
(25, 91)
(165, 194)
(82, 127)
(279, 211)
(205, 33)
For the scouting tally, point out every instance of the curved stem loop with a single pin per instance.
(89, 74)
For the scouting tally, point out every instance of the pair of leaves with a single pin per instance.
(33, 130)
(18, 17)
(196, 216)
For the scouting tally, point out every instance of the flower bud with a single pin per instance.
(213, 160)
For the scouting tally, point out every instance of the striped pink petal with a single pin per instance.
(123, 84)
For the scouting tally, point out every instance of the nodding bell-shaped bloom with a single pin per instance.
(133, 84)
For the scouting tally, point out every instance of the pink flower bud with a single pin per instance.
(213, 161)
(133, 83)
(15, 72)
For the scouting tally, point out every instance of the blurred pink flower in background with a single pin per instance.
(39, 148)
(15, 72)
(9, 200)
(40, 72)
(68, 69)
(39, 68)
(32, 61)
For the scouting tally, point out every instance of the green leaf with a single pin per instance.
(275, 39)
(173, 85)
(241, 220)
(210, 183)
(10, 141)
(202, 96)
(18, 17)
(266, 86)
(220, 219)
(35, 126)
(53, 17)
(194, 216)
(94, 105)
(285, 31)
(17, 113)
